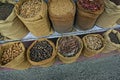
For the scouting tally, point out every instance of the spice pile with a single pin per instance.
(92, 5)
(68, 46)
(114, 38)
(30, 8)
(11, 53)
(94, 42)
(40, 51)
(5, 10)
(117, 2)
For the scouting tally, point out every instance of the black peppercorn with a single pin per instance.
(41, 50)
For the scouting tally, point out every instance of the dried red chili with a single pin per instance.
(93, 5)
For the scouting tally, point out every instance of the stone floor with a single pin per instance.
(104, 68)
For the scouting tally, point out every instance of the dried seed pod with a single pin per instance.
(68, 46)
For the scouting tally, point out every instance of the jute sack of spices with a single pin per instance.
(12, 55)
(69, 48)
(41, 53)
(118, 22)
(112, 38)
(110, 16)
(93, 44)
(33, 13)
(88, 12)
(62, 13)
(10, 25)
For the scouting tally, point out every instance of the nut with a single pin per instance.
(10, 53)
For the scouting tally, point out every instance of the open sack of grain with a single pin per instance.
(13, 55)
(10, 25)
(33, 13)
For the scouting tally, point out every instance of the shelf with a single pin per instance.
(31, 37)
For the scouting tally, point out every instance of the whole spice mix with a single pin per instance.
(94, 42)
(117, 2)
(30, 8)
(114, 38)
(68, 46)
(5, 10)
(11, 53)
(40, 51)
(92, 5)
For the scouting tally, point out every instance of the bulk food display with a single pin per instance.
(62, 13)
(69, 48)
(88, 12)
(57, 26)
(93, 44)
(41, 52)
(111, 14)
(10, 25)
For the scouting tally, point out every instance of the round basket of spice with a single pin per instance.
(12, 55)
(42, 53)
(69, 48)
(93, 44)
(112, 38)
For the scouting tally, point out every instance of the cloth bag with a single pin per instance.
(110, 46)
(12, 27)
(38, 25)
(110, 16)
(85, 19)
(44, 63)
(63, 19)
(18, 63)
(91, 52)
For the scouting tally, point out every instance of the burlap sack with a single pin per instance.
(90, 52)
(85, 19)
(110, 16)
(110, 46)
(62, 20)
(118, 21)
(12, 27)
(38, 25)
(44, 63)
(20, 62)
(73, 58)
